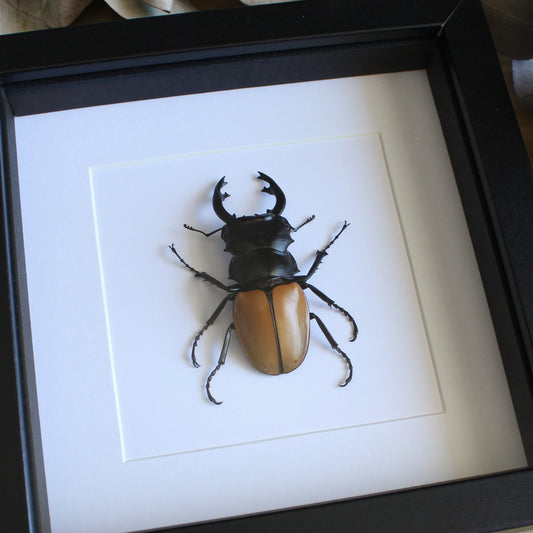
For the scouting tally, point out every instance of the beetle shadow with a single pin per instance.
(202, 299)
(198, 297)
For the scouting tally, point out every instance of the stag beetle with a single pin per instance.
(270, 311)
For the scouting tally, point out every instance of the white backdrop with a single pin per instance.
(130, 439)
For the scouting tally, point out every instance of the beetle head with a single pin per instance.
(273, 189)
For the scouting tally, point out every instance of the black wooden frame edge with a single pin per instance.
(478, 141)
(29, 501)
(39, 54)
(15, 474)
(506, 174)
(492, 488)
(476, 505)
(177, 79)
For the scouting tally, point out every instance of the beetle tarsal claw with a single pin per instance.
(208, 384)
(350, 367)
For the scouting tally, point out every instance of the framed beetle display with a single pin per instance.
(271, 316)
(394, 118)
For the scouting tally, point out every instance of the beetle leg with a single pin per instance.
(209, 322)
(203, 275)
(221, 361)
(335, 346)
(186, 226)
(331, 303)
(320, 254)
(306, 221)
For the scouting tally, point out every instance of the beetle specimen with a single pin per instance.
(270, 311)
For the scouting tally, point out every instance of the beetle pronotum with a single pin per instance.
(270, 311)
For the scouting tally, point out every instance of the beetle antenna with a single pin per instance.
(306, 221)
(186, 226)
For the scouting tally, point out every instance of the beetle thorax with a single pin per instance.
(259, 245)
(247, 233)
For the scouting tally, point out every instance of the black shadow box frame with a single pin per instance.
(297, 41)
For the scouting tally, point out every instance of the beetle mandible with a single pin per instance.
(270, 311)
